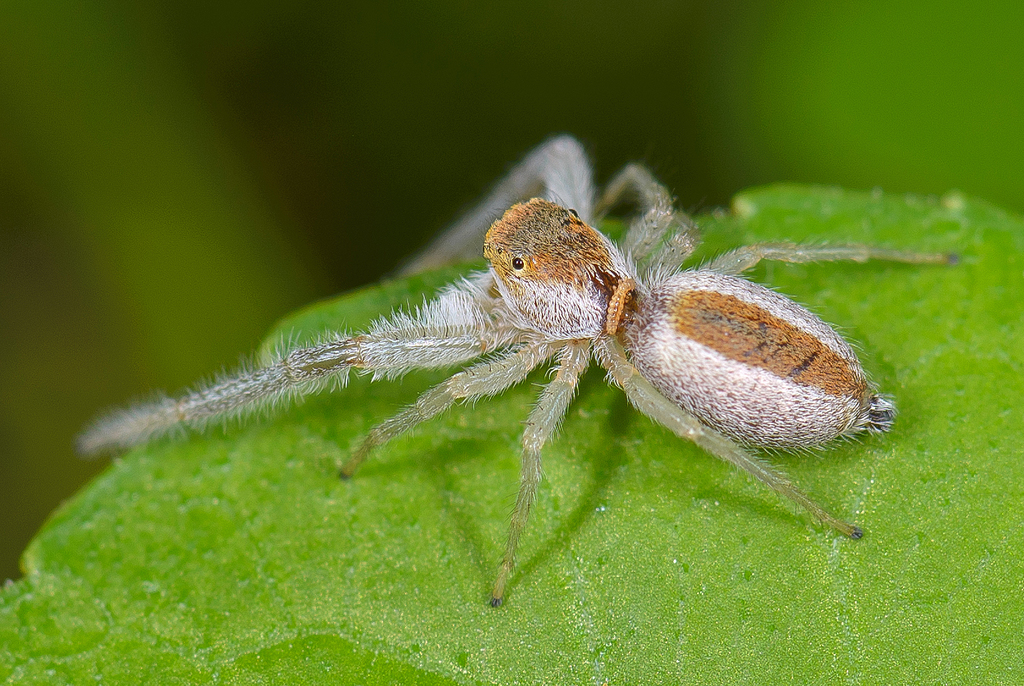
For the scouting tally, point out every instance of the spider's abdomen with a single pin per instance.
(751, 363)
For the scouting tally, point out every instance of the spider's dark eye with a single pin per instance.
(573, 213)
(517, 263)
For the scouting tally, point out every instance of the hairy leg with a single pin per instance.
(451, 329)
(557, 170)
(541, 425)
(658, 231)
(648, 400)
(742, 259)
(480, 380)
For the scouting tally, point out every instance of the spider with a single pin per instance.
(718, 360)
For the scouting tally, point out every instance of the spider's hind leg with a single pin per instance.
(646, 398)
(738, 261)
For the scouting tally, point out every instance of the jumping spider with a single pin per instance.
(719, 360)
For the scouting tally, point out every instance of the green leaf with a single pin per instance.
(239, 557)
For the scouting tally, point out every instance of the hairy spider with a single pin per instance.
(719, 360)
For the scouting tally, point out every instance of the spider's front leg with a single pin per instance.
(452, 329)
(543, 422)
(481, 380)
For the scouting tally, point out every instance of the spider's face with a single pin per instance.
(539, 243)
(553, 269)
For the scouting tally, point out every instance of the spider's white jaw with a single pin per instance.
(557, 275)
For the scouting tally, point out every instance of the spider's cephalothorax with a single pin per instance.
(557, 275)
(717, 359)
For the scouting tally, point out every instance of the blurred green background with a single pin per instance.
(176, 176)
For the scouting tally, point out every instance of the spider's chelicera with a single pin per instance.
(719, 360)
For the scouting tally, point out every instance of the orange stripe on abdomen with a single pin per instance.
(747, 333)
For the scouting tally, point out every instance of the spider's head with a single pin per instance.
(539, 242)
(556, 272)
